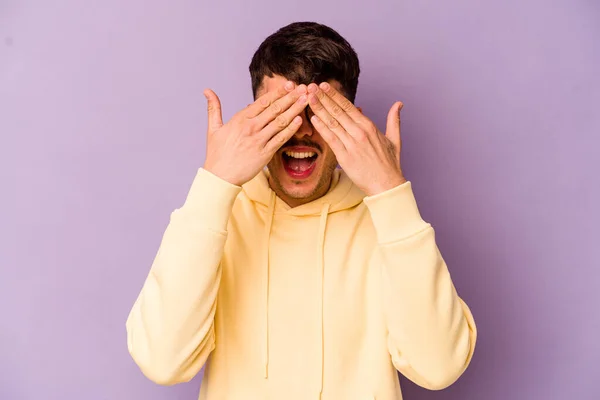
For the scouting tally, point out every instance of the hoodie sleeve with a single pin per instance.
(431, 330)
(170, 329)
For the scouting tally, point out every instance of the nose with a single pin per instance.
(306, 129)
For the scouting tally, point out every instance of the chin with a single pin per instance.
(299, 191)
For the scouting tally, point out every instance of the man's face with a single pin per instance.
(302, 169)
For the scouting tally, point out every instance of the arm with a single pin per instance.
(170, 329)
(432, 333)
(431, 330)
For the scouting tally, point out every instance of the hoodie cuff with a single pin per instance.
(210, 200)
(395, 214)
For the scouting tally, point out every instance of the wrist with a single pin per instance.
(384, 185)
(222, 175)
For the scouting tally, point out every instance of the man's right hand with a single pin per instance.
(238, 150)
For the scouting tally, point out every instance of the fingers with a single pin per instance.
(215, 116)
(264, 101)
(346, 105)
(283, 120)
(393, 126)
(327, 121)
(331, 138)
(333, 110)
(282, 136)
(275, 112)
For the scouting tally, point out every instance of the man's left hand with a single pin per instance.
(370, 159)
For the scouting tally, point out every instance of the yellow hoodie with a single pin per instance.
(321, 301)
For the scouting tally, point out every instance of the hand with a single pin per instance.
(239, 149)
(370, 159)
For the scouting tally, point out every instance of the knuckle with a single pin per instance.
(247, 128)
(336, 111)
(265, 102)
(281, 121)
(362, 137)
(346, 105)
(275, 108)
(332, 122)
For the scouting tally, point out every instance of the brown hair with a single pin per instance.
(306, 52)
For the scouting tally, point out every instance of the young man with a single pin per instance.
(301, 280)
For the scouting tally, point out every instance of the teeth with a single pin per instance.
(300, 155)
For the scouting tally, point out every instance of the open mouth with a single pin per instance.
(299, 164)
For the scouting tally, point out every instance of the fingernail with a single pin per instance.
(302, 99)
(301, 88)
(313, 99)
(325, 86)
(312, 88)
(315, 119)
(289, 85)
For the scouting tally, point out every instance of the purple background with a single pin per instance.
(103, 121)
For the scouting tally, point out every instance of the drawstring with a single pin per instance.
(265, 290)
(321, 265)
(321, 269)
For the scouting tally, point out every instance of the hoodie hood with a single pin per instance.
(342, 195)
